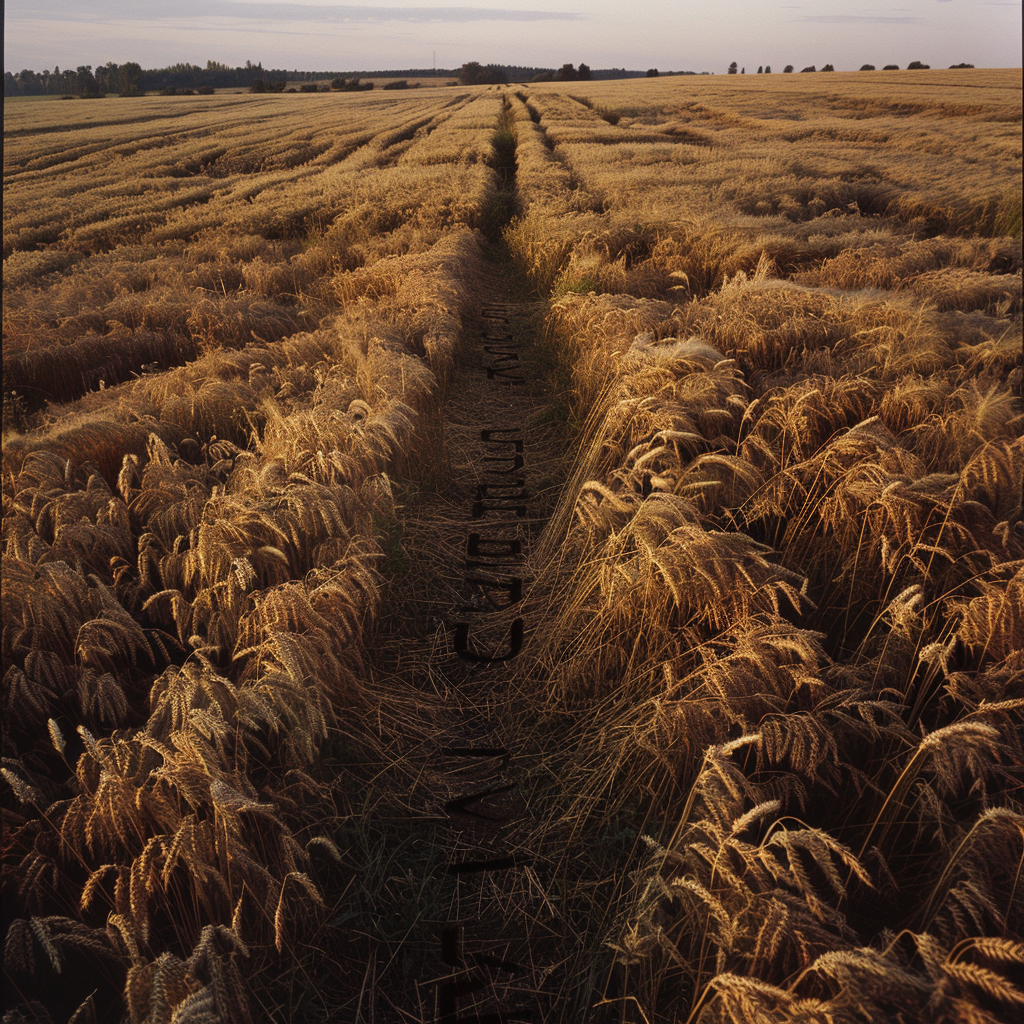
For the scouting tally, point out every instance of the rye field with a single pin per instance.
(537, 553)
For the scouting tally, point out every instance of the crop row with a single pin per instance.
(190, 575)
(782, 590)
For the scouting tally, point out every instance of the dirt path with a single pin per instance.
(456, 639)
(456, 898)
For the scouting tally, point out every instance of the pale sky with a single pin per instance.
(677, 35)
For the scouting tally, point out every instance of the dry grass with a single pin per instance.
(770, 715)
(192, 539)
(780, 590)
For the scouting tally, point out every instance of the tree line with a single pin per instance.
(83, 81)
(130, 79)
(475, 73)
(914, 65)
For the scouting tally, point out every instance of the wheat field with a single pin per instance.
(767, 717)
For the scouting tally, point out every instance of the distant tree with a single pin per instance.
(567, 73)
(26, 84)
(128, 75)
(734, 68)
(760, 70)
(471, 73)
(652, 72)
(87, 81)
(743, 71)
(916, 65)
(67, 81)
(767, 69)
(400, 83)
(811, 68)
(788, 69)
(867, 67)
(583, 73)
(961, 65)
(891, 67)
(828, 67)
(106, 78)
(474, 73)
(311, 87)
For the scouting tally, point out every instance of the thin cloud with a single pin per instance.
(156, 10)
(374, 15)
(851, 19)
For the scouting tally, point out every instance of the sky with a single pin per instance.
(676, 35)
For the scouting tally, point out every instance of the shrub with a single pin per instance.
(788, 69)
(891, 67)
(867, 67)
(811, 68)
(401, 83)
(350, 85)
(916, 65)
(261, 85)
